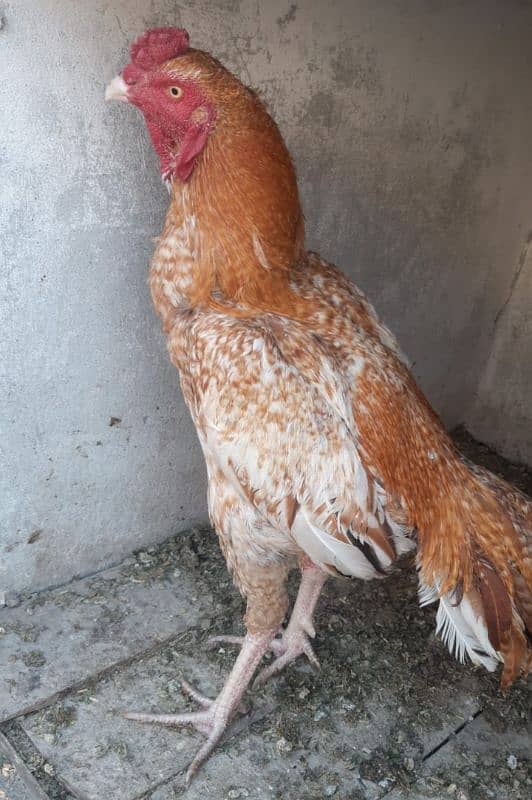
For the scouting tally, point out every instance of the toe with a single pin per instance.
(201, 720)
(206, 749)
(201, 699)
(311, 655)
(286, 652)
(266, 673)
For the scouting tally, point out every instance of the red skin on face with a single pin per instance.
(178, 125)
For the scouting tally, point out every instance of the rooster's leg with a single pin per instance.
(265, 590)
(215, 715)
(294, 640)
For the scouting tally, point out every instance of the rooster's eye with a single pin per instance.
(175, 91)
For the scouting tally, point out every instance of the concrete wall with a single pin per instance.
(411, 125)
(501, 414)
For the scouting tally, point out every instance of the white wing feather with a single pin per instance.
(326, 549)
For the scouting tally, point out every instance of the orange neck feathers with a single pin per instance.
(244, 199)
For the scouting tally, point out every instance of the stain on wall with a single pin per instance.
(410, 125)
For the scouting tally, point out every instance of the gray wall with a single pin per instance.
(501, 414)
(410, 123)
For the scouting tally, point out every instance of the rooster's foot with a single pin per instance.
(212, 721)
(289, 646)
(215, 715)
(292, 643)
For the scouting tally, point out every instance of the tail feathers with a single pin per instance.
(461, 629)
(487, 615)
(495, 603)
(517, 653)
(523, 601)
(473, 531)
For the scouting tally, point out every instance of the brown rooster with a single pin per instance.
(321, 451)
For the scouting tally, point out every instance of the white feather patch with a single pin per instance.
(461, 629)
(325, 549)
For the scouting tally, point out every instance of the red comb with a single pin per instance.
(157, 46)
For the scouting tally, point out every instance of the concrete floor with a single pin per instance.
(389, 715)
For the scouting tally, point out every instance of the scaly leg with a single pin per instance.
(215, 715)
(293, 641)
(264, 587)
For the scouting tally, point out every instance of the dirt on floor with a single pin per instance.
(390, 714)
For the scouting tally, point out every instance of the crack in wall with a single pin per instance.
(499, 315)
(521, 261)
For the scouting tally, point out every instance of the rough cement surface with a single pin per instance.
(391, 714)
(16, 780)
(387, 696)
(59, 638)
(410, 125)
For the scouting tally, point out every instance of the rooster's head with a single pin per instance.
(166, 80)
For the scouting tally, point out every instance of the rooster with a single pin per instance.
(321, 451)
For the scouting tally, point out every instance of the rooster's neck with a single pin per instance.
(174, 263)
(235, 230)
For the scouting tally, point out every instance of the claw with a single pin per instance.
(311, 655)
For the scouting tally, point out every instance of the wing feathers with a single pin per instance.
(292, 451)
(368, 551)
(326, 550)
(291, 506)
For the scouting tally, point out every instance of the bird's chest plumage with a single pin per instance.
(173, 263)
(219, 373)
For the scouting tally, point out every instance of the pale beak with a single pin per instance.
(117, 90)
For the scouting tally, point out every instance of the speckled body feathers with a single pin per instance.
(317, 440)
